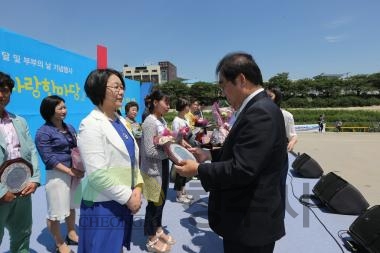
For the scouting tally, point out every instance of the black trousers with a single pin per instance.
(284, 174)
(153, 211)
(236, 247)
(179, 182)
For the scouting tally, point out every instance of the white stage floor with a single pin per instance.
(189, 226)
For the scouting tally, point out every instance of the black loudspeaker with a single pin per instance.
(339, 195)
(305, 166)
(365, 230)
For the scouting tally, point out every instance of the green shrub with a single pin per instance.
(340, 101)
(348, 117)
(352, 118)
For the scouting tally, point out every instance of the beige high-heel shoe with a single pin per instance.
(166, 238)
(62, 247)
(154, 246)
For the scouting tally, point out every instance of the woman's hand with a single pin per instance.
(292, 143)
(134, 203)
(75, 173)
(184, 144)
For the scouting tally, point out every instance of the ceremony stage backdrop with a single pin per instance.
(40, 70)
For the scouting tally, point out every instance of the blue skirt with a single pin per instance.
(104, 227)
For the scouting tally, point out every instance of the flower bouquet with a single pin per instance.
(202, 122)
(166, 136)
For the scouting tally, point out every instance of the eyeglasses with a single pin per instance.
(5, 90)
(116, 88)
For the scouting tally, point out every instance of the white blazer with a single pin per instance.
(106, 160)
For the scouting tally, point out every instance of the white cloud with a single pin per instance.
(334, 38)
(339, 22)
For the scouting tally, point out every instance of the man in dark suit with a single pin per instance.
(246, 201)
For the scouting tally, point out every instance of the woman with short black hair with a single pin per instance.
(54, 141)
(111, 159)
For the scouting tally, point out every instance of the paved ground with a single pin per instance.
(353, 156)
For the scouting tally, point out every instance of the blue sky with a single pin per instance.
(303, 38)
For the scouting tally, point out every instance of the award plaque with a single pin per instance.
(15, 174)
(177, 153)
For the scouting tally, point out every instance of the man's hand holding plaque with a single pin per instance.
(15, 175)
(177, 153)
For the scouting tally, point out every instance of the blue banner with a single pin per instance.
(132, 93)
(307, 128)
(40, 70)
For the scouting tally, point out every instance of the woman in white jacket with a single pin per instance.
(112, 188)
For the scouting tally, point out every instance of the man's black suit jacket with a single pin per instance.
(244, 178)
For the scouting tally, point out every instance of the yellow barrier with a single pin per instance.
(354, 129)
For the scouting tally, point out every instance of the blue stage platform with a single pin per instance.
(306, 231)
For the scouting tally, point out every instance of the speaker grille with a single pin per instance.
(307, 167)
(328, 186)
(365, 230)
(340, 196)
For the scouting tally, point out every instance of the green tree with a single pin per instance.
(374, 81)
(174, 89)
(204, 92)
(302, 87)
(282, 81)
(356, 84)
(327, 86)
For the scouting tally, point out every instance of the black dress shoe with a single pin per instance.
(70, 242)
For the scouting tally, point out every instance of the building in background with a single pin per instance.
(164, 72)
(168, 71)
